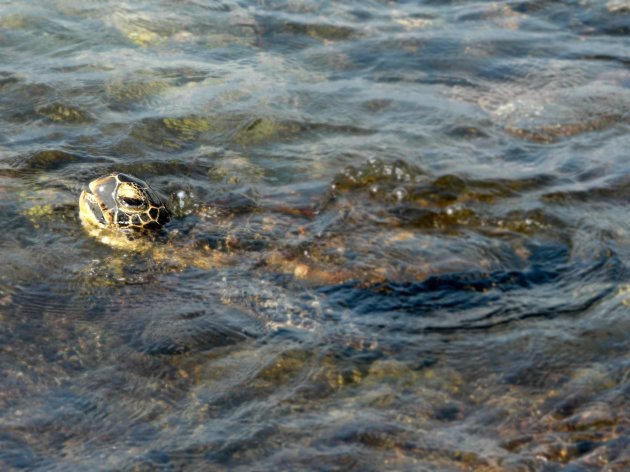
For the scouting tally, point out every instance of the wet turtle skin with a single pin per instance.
(121, 202)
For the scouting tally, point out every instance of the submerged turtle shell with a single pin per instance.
(119, 201)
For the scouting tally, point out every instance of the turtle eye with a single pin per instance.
(131, 197)
(132, 202)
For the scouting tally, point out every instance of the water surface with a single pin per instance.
(400, 239)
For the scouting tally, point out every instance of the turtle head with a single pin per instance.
(120, 201)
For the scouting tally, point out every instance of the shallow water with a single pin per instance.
(400, 243)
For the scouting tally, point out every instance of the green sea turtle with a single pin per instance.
(380, 223)
(122, 202)
(124, 212)
(118, 207)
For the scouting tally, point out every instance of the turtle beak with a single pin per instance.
(90, 210)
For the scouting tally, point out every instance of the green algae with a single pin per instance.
(62, 113)
(258, 131)
(50, 159)
(135, 91)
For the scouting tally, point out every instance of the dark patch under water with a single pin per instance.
(399, 240)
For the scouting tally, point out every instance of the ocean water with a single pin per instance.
(401, 236)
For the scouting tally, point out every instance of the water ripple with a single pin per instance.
(399, 235)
